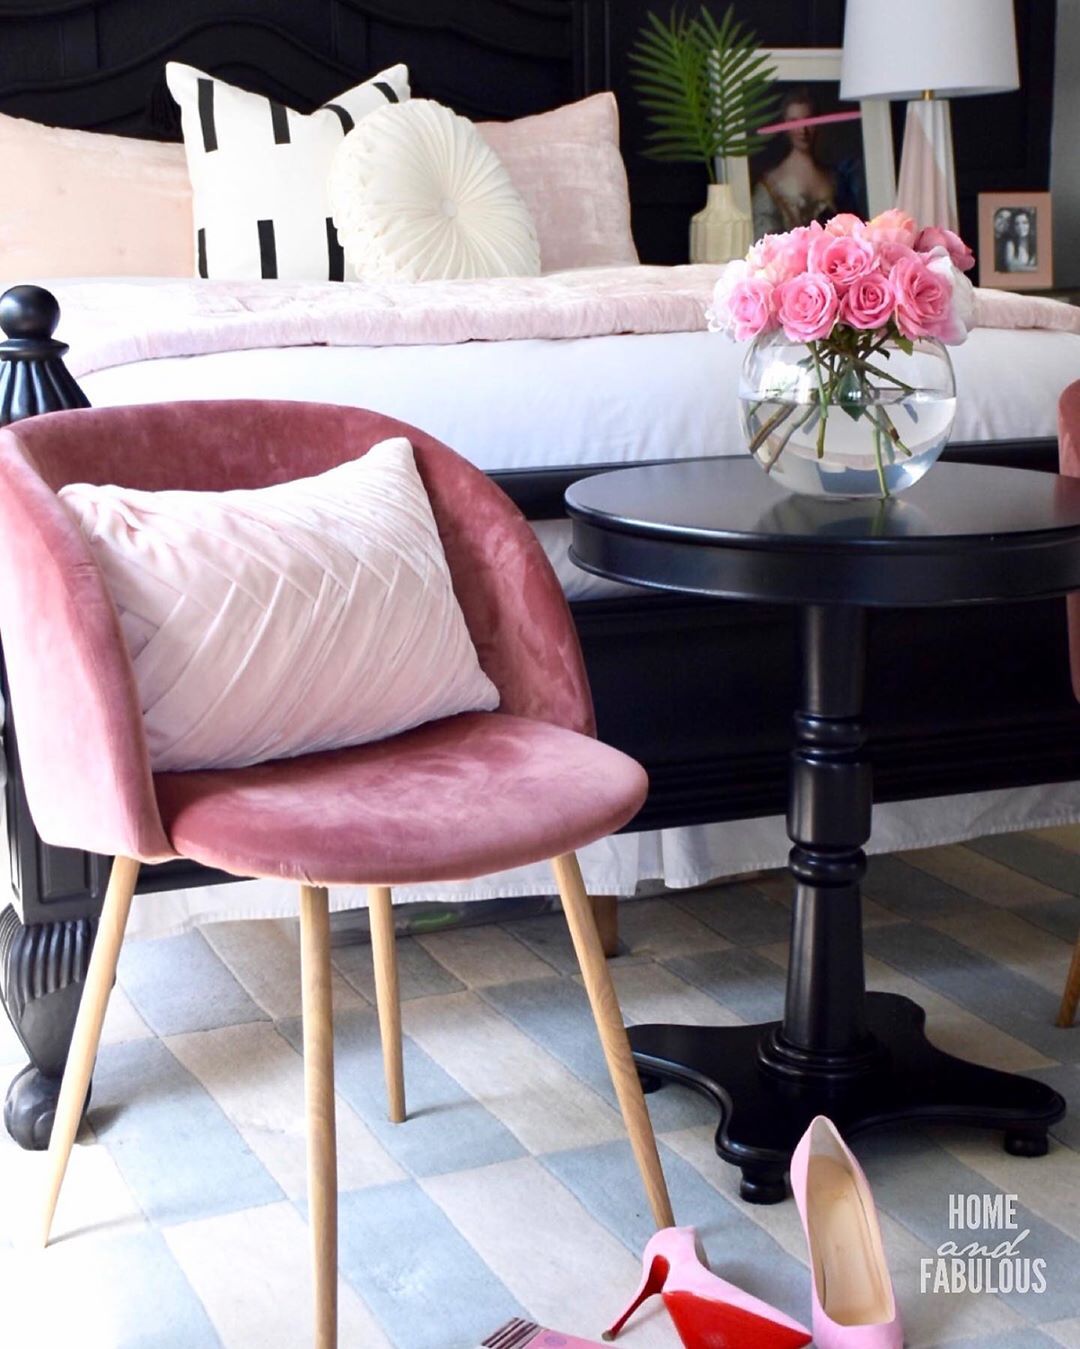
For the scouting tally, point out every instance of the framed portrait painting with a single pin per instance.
(1015, 240)
(824, 157)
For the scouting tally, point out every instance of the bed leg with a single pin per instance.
(42, 969)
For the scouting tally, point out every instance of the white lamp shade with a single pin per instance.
(948, 46)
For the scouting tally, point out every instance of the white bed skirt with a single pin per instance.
(679, 858)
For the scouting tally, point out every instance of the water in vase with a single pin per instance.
(906, 430)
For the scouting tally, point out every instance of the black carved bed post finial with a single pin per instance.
(42, 966)
(33, 376)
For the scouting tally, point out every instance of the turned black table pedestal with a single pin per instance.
(964, 535)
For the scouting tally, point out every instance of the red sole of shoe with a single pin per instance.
(718, 1325)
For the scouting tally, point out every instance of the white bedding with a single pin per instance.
(531, 404)
(615, 399)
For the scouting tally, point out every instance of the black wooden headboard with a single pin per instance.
(97, 64)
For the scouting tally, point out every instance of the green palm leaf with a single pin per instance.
(705, 86)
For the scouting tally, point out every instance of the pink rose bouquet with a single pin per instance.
(850, 290)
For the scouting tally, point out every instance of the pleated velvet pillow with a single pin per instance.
(278, 621)
(418, 195)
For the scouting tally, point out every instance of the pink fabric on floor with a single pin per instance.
(81, 737)
(109, 323)
(454, 799)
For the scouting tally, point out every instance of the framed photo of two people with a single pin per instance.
(1015, 241)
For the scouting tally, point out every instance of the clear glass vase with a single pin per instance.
(836, 420)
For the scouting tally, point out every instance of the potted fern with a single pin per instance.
(706, 87)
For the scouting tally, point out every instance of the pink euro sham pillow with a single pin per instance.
(568, 168)
(82, 203)
(270, 622)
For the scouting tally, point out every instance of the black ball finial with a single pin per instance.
(29, 312)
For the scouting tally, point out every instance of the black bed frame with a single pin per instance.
(994, 705)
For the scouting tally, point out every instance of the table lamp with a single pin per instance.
(928, 51)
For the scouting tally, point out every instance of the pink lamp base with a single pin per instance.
(927, 187)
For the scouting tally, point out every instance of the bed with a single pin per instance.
(995, 746)
(990, 764)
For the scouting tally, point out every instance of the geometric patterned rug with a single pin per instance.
(510, 1190)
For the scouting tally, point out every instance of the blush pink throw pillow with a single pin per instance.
(273, 622)
(567, 166)
(81, 203)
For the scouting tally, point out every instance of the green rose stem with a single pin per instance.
(880, 467)
(770, 463)
(764, 431)
(823, 401)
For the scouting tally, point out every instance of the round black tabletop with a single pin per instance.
(964, 534)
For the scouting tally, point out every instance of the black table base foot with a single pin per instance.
(1034, 1143)
(764, 1113)
(30, 1108)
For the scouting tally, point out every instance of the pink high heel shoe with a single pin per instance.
(708, 1312)
(853, 1302)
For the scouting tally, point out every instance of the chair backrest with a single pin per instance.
(1069, 464)
(83, 749)
(1069, 430)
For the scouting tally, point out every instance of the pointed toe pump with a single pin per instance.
(708, 1312)
(854, 1306)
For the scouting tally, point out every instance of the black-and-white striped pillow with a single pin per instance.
(259, 172)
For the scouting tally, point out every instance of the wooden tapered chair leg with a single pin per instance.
(613, 1037)
(1071, 996)
(387, 997)
(606, 914)
(87, 1035)
(319, 1094)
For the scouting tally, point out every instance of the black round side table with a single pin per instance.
(964, 535)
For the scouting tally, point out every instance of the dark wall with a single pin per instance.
(97, 63)
(1002, 143)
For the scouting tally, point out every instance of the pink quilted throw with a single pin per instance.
(110, 323)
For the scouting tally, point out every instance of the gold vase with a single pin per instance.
(721, 231)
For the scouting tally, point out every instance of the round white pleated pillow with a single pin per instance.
(418, 195)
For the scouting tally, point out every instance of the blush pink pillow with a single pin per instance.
(567, 166)
(81, 203)
(270, 622)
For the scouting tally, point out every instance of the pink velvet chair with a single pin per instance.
(453, 799)
(1069, 460)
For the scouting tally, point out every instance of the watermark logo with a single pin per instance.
(1004, 1265)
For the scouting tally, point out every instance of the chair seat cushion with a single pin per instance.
(456, 798)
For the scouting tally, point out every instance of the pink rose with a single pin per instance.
(846, 225)
(768, 256)
(807, 307)
(868, 302)
(892, 227)
(750, 305)
(934, 236)
(719, 315)
(797, 246)
(779, 257)
(961, 302)
(842, 258)
(889, 255)
(923, 300)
